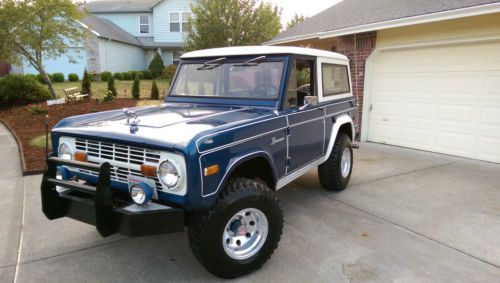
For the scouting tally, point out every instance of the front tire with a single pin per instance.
(335, 173)
(240, 232)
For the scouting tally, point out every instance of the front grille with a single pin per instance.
(125, 160)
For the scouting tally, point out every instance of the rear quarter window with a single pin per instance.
(335, 79)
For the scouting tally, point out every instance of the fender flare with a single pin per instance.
(339, 122)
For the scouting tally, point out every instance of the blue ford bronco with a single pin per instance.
(236, 125)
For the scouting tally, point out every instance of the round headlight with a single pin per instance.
(65, 152)
(141, 194)
(168, 174)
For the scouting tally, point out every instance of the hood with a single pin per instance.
(166, 125)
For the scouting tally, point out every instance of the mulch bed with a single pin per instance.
(26, 125)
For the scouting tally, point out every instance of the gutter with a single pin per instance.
(408, 21)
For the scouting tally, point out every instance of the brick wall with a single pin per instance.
(4, 68)
(357, 48)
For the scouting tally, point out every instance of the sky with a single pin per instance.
(307, 8)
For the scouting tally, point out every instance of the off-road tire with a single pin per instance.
(206, 228)
(330, 172)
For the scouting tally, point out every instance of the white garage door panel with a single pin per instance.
(442, 99)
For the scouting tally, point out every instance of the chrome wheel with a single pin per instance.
(345, 162)
(245, 233)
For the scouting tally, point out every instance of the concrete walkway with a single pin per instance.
(408, 216)
(11, 204)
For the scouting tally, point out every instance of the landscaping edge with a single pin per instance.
(20, 151)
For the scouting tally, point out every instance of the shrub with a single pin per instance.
(108, 97)
(111, 86)
(136, 87)
(132, 73)
(105, 76)
(58, 77)
(118, 76)
(147, 75)
(36, 109)
(156, 66)
(31, 76)
(86, 84)
(21, 90)
(73, 77)
(169, 72)
(127, 76)
(42, 80)
(155, 93)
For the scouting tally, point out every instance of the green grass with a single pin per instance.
(124, 88)
(40, 141)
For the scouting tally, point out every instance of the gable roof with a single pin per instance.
(348, 14)
(124, 6)
(104, 28)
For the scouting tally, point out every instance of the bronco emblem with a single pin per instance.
(134, 125)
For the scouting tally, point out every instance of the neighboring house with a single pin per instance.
(426, 73)
(4, 68)
(124, 36)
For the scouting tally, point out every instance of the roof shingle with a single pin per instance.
(103, 6)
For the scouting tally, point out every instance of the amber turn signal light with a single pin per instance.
(210, 170)
(81, 156)
(148, 170)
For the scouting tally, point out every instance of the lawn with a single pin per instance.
(124, 88)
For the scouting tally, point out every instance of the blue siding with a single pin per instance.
(120, 57)
(162, 20)
(62, 64)
(129, 22)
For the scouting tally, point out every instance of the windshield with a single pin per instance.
(217, 78)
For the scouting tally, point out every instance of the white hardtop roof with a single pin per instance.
(261, 50)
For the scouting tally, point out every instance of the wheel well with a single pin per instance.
(345, 129)
(256, 168)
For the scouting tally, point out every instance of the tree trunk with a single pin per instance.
(48, 81)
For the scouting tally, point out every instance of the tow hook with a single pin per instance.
(356, 146)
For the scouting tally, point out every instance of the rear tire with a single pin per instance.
(335, 173)
(240, 232)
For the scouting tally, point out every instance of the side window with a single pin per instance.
(144, 24)
(335, 79)
(301, 83)
(175, 22)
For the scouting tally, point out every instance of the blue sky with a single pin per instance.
(305, 7)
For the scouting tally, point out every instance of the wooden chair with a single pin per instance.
(73, 94)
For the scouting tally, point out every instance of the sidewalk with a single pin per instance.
(11, 202)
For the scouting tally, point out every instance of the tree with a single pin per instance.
(297, 19)
(156, 66)
(155, 93)
(86, 83)
(111, 86)
(136, 87)
(219, 23)
(36, 30)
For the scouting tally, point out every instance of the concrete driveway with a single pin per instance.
(408, 216)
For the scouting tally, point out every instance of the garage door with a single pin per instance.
(442, 99)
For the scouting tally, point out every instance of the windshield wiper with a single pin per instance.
(212, 64)
(252, 62)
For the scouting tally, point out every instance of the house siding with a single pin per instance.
(119, 57)
(129, 22)
(161, 16)
(63, 63)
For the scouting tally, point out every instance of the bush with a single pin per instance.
(86, 84)
(42, 80)
(155, 93)
(105, 76)
(147, 75)
(31, 76)
(136, 87)
(156, 66)
(111, 86)
(169, 72)
(132, 73)
(108, 97)
(73, 77)
(118, 76)
(127, 76)
(58, 77)
(21, 90)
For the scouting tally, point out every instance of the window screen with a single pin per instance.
(335, 79)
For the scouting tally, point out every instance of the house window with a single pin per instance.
(144, 24)
(175, 22)
(179, 22)
(335, 79)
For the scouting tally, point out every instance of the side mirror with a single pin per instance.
(309, 100)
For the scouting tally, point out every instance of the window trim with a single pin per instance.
(141, 24)
(180, 22)
(319, 70)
